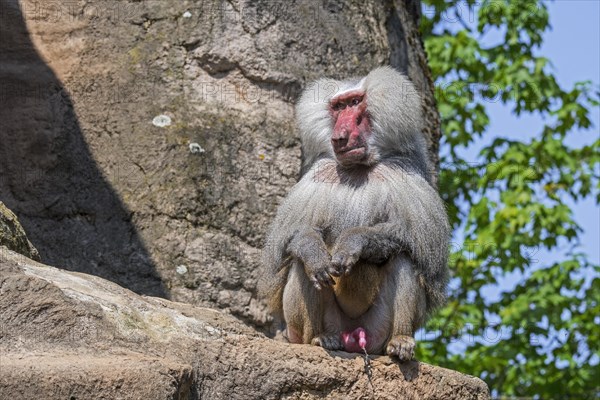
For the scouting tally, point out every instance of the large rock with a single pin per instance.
(71, 335)
(13, 236)
(149, 142)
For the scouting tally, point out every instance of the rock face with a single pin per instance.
(71, 335)
(149, 142)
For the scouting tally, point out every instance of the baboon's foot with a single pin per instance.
(402, 347)
(329, 342)
(293, 335)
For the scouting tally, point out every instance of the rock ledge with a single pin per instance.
(66, 334)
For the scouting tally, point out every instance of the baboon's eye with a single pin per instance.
(338, 106)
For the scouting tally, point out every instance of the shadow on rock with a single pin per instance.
(409, 369)
(49, 178)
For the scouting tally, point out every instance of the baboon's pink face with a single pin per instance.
(351, 128)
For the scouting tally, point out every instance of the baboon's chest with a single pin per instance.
(346, 209)
(341, 204)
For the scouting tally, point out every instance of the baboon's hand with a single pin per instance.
(307, 246)
(319, 273)
(347, 251)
